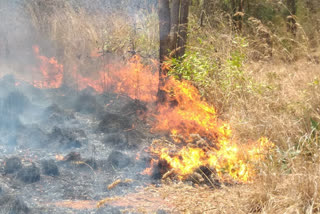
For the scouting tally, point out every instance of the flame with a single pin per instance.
(190, 114)
(138, 156)
(132, 79)
(59, 157)
(185, 113)
(51, 70)
(149, 170)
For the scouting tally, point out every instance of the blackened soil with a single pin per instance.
(58, 146)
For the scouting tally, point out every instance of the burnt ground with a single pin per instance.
(59, 144)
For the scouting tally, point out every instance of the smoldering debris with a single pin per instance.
(97, 134)
(13, 204)
(95, 149)
(87, 104)
(66, 138)
(114, 122)
(50, 168)
(12, 165)
(118, 159)
(29, 173)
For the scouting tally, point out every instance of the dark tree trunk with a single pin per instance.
(164, 28)
(173, 23)
(183, 28)
(175, 15)
(164, 31)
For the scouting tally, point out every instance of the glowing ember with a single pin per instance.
(51, 71)
(59, 157)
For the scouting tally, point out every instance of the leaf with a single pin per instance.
(314, 124)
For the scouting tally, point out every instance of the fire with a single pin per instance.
(59, 157)
(132, 79)
(189, 115)
(184, 114)
(51, 71)
(148, 171)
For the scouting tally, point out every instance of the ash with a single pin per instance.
(60, 144)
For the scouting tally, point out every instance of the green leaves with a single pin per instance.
(314, 124)
(210, 73)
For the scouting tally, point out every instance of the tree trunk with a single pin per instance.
(175, 14)
(173, 24)
(164, 31)
(183, 28)
(164, 28)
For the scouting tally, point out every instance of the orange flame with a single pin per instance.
(184, 114)
(133, 79)
(189, 115)
(51, 70)
(148, 171)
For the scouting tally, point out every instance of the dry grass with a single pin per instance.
(72, 30)
(276, 99)
(265, 95)
(272, 193)
(77, 35)
(283, 112)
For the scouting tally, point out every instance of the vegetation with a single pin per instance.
(262, 77)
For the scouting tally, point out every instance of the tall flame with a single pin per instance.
(187, 114)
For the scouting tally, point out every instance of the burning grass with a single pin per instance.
(185, 113)
(278, 100)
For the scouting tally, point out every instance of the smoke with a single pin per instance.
(70, 30)
(67, 33)
(16, 34)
